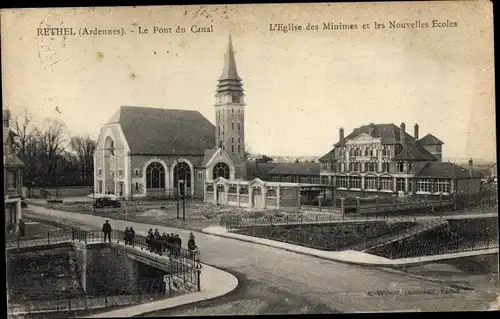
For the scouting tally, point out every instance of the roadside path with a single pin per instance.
(288, 282)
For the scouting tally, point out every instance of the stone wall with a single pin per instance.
(105, 269)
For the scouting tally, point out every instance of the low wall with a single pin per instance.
(42, 192)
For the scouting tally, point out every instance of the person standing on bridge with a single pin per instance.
(22, 228)
(132, 236)
(106, 229)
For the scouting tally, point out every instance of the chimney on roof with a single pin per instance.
(371, 128)
(402, 133)
(470, 167)
(416, 131)
(341, 135)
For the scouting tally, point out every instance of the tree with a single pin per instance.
(83, 148)
(246, 152)
(26, 144)
(297, 161)
(53, 142)
(264, 159)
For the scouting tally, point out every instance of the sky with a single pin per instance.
(300, 86)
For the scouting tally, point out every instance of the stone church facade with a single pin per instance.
(158, 153)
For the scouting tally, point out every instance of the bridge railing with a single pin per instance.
(49, 237)
(184, 257)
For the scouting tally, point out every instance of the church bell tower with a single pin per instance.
(230, 110)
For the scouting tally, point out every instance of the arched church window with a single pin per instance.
(221, 170)
(155, 176)
(182, 172)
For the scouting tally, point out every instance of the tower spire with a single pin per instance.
(229, 72)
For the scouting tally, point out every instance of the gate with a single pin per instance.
(220, 194)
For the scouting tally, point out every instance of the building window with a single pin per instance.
(232, 126)
(155, 176)
(136, 172)
(99, 172)
(232, 111)
(400, 184)
(315, 179)
(275, 178)
(371, 167)
(357, 166)
(324, 180)
(424, 185)
(355, 182)
(342, 167)
(343, 181)
(442, 186)
(386, 184)
(385, 167)
(200, 176)
(221, 169)
(370, 183)
(232, 189)
(236, 99)
(239, 127)
(401, 167)
(409, 167)
(112, 174)
(12, 180)
(385, 151)
(137, 187)
(99, 190)
(243, 190)
(271, 193)
(239, 148)
(218, 128)
(120, 173)
(182, 172)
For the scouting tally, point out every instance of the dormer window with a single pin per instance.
(401, 167)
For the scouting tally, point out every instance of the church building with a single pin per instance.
(157, 153)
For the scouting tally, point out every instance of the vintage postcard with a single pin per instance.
(250, 159)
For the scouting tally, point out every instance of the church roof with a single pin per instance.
(229, 72)
(229, 80)
(154, 131)
(430, 139)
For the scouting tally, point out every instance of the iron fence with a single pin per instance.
(49, 237)
(110, 297)
(238, 222)
(409, 249)
(353, 236)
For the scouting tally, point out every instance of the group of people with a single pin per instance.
(170, 243)
(129, 235)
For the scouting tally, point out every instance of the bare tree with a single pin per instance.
(26, 145)
(25, 131)
(84, 147)
(53, 142)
